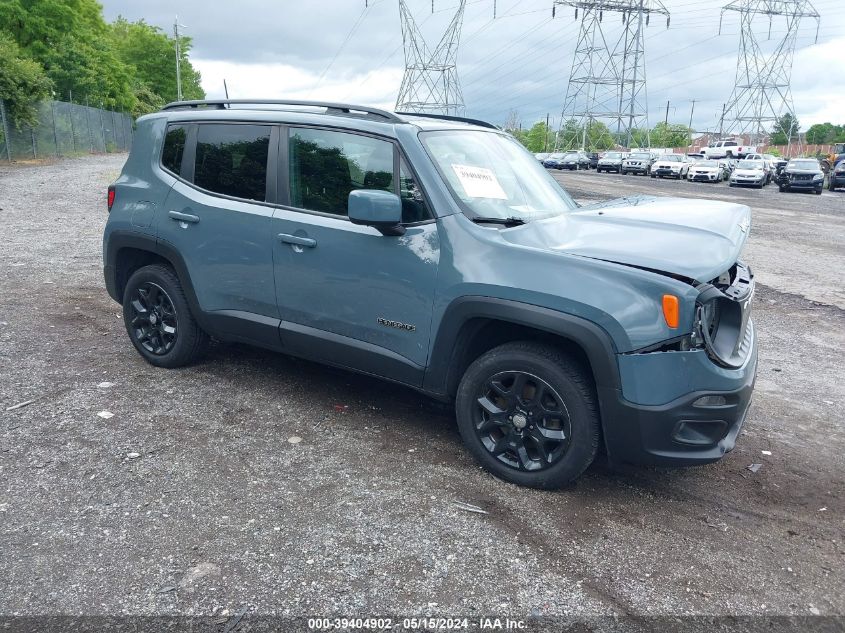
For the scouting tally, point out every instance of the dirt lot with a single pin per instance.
(191, 499)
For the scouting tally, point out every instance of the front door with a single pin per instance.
(347, 294)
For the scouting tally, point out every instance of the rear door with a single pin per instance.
(347, 294)
(217, 219)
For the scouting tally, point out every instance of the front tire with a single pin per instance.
(158, 318)
(528, 414)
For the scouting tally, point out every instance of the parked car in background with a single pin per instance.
(611, 161)
(671, 166)
(837, 176)
(553, 160)
(574, 161)
(771, 165)
(637, 163)
(727, 149)
(750, 172)
(594, 159)
(802, 174)
(780, 165)
(709, 171)
(541, 156)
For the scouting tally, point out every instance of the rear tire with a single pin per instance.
(158, 318)
(542, 432)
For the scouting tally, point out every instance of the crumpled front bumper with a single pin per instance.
(676, 408)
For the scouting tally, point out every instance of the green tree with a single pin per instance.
(824, 133)
(539, 138)
(670, 135)
(22, 83)
(598, 137)
(70, 39)
(785, 130)
(152, 55)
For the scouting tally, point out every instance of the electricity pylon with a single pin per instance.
(762, 93)
(430, 83)
(607, 84)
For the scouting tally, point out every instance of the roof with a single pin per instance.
(308, 112)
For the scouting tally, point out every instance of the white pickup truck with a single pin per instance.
(727, 149)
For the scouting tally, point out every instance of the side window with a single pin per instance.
(174, 147)
(232, 159)
(326, 165)
(413, 203)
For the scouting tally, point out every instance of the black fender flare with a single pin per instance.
(121, 239)
(592, 339)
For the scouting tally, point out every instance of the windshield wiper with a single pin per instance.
(507, 222)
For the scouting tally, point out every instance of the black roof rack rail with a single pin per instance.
(343, 109)
(449, 117)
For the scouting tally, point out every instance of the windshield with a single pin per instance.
(750, 164)
(672, 158)
(613, 155)
(571, 157)
(492, 176)
(707, 163)
(803, 164)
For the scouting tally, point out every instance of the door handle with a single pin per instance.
(296, 240)
(183, 217)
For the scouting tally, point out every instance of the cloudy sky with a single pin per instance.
(340, 50)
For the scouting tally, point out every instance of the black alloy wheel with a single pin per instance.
(527, 411)
(522, 421)
(159, 320)
(153, 319)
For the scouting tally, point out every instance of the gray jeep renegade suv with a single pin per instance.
(435, 252)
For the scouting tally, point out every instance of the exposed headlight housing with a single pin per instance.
(722, 317)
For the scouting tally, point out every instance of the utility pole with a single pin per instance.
(178, 60)
(666, 119)
(692, 110)
(546, 135)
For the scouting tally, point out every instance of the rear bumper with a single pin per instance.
(683, 431)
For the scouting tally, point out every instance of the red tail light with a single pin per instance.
(111, 197)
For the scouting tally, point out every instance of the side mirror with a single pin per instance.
(379, 209)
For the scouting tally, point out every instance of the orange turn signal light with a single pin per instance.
(671, 310)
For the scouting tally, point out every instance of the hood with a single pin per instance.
(749, 172)
(697, 239)
(668, 163)
(705, 168)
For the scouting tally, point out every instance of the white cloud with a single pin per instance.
(282, 81)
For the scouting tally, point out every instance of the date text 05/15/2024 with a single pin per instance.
(418, 624)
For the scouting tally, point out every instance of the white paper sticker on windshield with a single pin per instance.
(479, 182)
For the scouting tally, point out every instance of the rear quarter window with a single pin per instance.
(174, 148)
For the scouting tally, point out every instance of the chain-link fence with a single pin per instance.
(64, 129)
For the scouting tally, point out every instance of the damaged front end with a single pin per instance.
(685, 401)
(723, 317)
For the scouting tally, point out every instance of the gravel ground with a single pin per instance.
(191, 498)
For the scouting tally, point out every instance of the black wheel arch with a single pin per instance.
(127, 251)
(472, 325)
